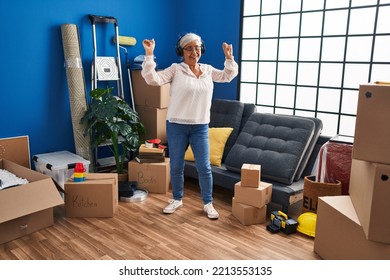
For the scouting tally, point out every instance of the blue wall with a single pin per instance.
(217, 22)
(34, 92)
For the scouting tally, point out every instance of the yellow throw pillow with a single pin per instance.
(218, 137)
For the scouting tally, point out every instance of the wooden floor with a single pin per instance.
(140, 231)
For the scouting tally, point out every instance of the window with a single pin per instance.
(308, 57)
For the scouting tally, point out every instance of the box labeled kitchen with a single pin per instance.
(97, 196)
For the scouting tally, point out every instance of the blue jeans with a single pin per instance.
(179, 137)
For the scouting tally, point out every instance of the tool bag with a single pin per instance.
(312, 190)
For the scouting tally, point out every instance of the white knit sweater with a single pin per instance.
(190, 96)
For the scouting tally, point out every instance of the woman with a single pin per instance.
(188, 114)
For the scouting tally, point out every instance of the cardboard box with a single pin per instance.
(249, 215)
(339, 235)
(250, 175)
(154, 120)
(372, 129)
(16, 149)
(26, 208)
(97, 196)
(146, 95)
(370, 194)
(153, 177)
(257, 197)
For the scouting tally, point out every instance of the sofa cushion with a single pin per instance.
(227, 113)
(217, 141)
(276, 142)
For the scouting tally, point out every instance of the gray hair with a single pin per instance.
(189, 37)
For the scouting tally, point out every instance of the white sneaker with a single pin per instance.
(172, 206)
(210, 211)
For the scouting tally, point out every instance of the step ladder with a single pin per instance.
(105, 69)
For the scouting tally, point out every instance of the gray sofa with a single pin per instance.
(285, 146)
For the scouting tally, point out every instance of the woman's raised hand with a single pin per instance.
(227, 50)
(149, 46)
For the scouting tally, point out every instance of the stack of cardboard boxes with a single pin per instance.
(151, 103)
(357, 226)
(251, 196)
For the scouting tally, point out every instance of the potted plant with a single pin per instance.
(110, 119)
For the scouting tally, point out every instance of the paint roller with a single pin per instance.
(127, 41)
